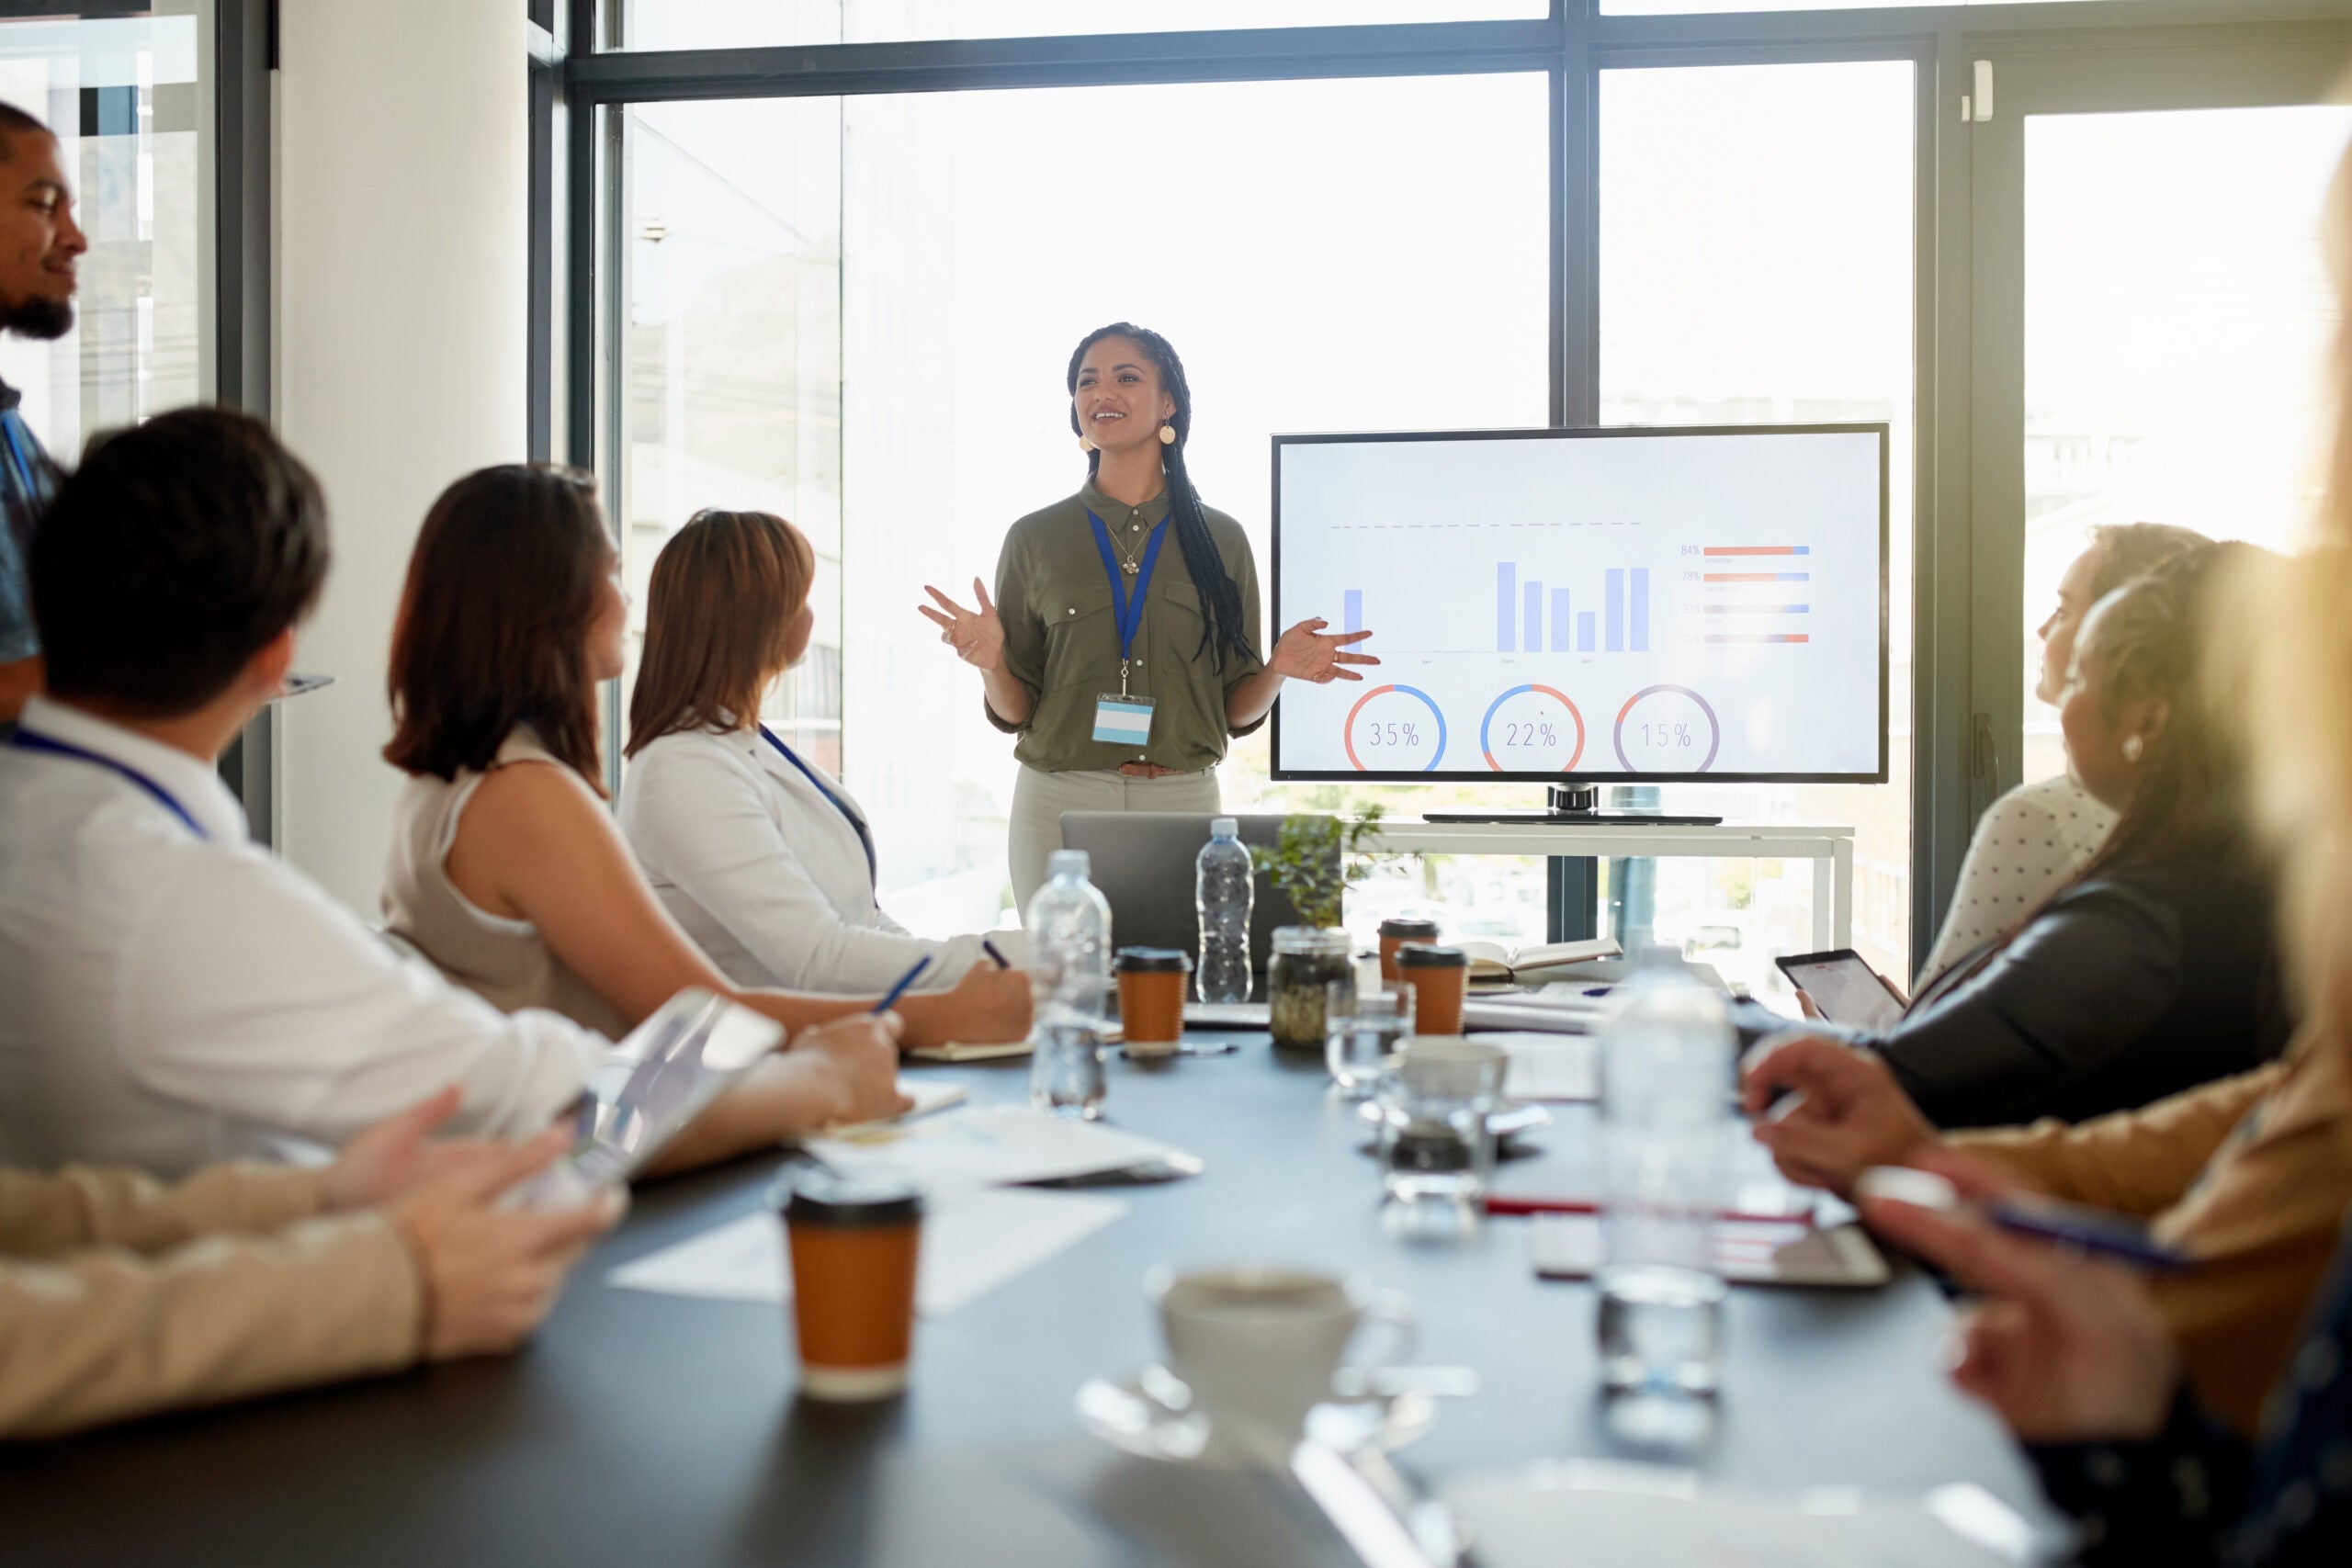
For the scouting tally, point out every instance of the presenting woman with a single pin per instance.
(1121, 646)
(756, 850)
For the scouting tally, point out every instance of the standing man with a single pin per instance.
(39, 245)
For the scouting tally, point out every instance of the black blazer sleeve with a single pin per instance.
(2081, 984)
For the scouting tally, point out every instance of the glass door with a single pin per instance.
(2152, 319)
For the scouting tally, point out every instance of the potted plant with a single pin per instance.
(1313, 862)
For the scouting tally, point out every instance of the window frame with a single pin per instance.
(575, 119)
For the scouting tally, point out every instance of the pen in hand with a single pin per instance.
(890, 996)
(990, 948)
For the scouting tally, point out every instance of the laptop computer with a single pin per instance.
(1144, 861)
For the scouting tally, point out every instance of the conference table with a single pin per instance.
(657, 1430)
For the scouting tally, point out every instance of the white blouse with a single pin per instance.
(2026, 846)
(766, 875)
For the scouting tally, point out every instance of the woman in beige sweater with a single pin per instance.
(119, 1297)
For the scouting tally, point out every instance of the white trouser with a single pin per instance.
(1040, 798)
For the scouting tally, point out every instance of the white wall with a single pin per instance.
(401, 298)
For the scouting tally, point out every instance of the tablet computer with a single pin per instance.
(661, 1077)
(1845, 987)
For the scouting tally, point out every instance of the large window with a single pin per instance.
(2178, 323)
(122, 94)
(705, 24)
(859, 313)
(854, 306)
(1756, 267)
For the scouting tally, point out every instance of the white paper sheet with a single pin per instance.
(928, 1094)
(973, 1241)
(1550, 1066)
(1520, 1525)
(990, 1146)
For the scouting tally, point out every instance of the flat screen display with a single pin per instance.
(1606, 606)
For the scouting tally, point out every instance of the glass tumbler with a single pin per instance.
(1435, 1096)
(1361, 1031)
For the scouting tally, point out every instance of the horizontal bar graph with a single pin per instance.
(1758, 550)
(1757, 576)
(1758, 609)
(1759, 636)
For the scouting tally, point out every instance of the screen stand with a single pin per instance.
(1572, 805)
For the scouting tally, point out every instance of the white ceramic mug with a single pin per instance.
(1258, 1345)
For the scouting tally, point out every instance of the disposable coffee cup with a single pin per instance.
(1440, 977)
(1395, 932)
(1152, 982)
(854, 1241)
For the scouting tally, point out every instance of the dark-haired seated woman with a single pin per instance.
(2154, 970)
(759, 853)
(506, 869)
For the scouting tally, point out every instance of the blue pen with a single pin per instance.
(890, 996)
(990, 948)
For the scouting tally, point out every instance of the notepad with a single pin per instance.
(960, 1051)
(987, 1145)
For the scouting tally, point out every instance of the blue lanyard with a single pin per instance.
(10, 423)
(864, 839)
(26, 740)
(1129, 611)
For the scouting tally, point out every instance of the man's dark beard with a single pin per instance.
(36, 318)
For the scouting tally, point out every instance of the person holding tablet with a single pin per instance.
(1121, 645)
(506, 869)
(2154, 970)
(759, 854)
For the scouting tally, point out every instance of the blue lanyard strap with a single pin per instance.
(26, 740)
(11, 426)
(865, 837)
(1128, 610)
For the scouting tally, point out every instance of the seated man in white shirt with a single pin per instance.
(175, 996)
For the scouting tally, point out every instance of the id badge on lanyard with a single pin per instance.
(1121, 719)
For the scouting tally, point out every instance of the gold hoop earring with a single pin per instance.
(2132, 748)
(1168, 435)
(1085, 444)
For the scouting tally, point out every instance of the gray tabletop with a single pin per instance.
(654, 1430)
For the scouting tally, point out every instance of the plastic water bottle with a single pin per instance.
(1225, 887)
(1666, 1065)
(1070, 982)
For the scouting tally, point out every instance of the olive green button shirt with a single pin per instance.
(1061, 637)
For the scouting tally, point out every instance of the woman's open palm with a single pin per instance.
(977, 635)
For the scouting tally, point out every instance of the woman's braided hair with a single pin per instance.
(1221, 598)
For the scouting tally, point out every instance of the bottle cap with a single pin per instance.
(1070, 863)
(1225, 826)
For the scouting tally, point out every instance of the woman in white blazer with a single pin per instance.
(757, 851)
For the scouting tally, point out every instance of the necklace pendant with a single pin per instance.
(1130, 568)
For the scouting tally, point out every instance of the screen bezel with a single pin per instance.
(1884, 431)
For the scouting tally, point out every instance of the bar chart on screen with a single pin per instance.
(1555, 607)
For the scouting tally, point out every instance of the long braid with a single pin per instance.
(1221, 597)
